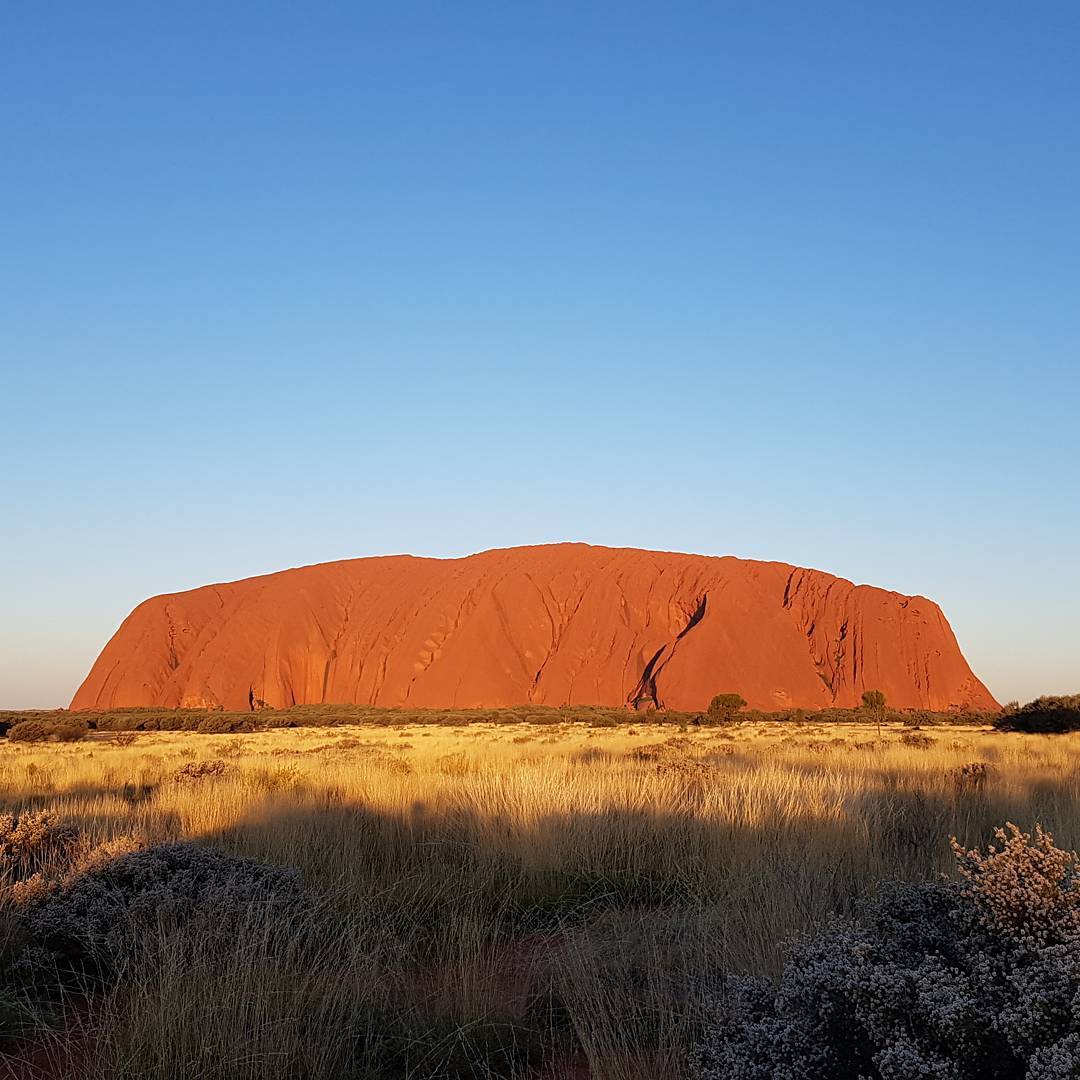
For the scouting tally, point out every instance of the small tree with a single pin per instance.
(874, 703)
(723, 707)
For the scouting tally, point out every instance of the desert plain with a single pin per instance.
(555, 900)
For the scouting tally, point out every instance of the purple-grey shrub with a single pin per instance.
(947, 981)
(95, 919)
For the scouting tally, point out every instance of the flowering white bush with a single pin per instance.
(978, 979)
(74, 913)
(98, 916)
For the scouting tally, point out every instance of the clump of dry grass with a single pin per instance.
(32, 840)
(917, 739)
(971, 776)
(487, 905)
(195, 771)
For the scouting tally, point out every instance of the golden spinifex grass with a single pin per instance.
(503, 901)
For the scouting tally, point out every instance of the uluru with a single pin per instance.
(554, 624)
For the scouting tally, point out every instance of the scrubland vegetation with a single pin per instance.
(1048, 715)
(551, 899)
(59, 725)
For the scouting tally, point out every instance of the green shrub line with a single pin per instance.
(63, 725)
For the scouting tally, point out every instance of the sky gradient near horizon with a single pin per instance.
(290, 283)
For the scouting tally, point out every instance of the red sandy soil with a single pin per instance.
(556, 625)
(62, 1054)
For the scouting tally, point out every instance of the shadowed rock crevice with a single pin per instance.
(646, 692)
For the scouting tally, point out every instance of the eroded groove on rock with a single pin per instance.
(646, 687)
(695, 618)
(647, 691)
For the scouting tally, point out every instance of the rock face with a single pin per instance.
(558, 624)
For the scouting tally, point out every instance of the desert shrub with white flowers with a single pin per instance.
(96, 919)
(977, 978)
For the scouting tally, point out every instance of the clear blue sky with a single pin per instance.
(284, 283)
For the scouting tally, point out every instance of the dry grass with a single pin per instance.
(495, 902)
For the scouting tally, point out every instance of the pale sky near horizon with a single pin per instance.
(289, 283)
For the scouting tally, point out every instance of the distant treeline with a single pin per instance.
(61, 724)
(1044, 715)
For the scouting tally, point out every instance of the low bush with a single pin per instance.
(68, 733)
(950, 981)
(604, 721)
(94, 920)
(46, 731)
(30, 731)
(223, 724)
